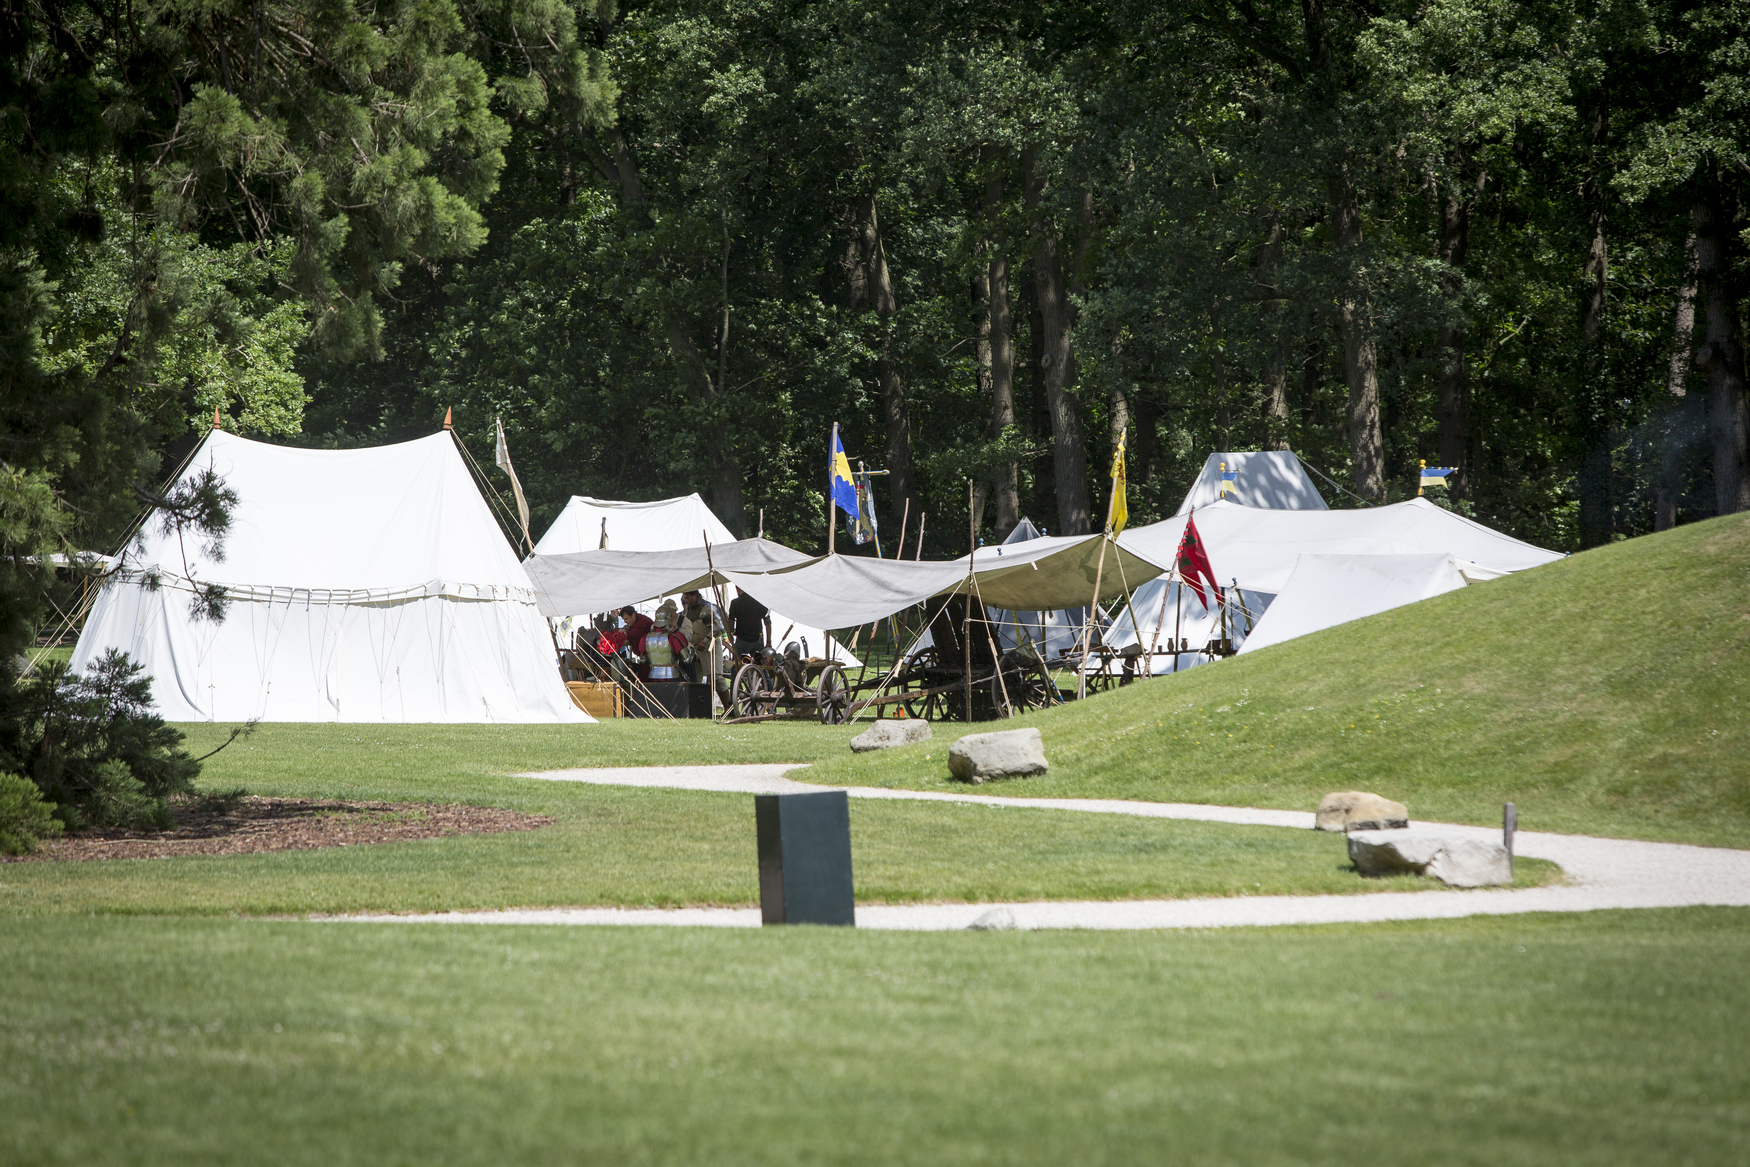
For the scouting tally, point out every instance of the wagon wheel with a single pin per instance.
(748, 696)
(1023, 685)
(832, 700)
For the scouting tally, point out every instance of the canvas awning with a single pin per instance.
(606, 581)
(1326, 590)
(845, 591)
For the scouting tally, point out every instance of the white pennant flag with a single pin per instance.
(522, 504)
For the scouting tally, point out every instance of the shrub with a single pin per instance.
(24, 816)
(91, 743)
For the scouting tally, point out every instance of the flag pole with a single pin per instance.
(1094, 604)
(832, 526)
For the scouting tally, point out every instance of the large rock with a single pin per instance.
(886, 734)
(1357, 810)
(1008, 753)
(1454, 862)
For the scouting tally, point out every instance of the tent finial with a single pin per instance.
(217, 424)
(448, 420)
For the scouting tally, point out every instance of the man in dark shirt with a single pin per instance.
(638, 626)
(752, 626)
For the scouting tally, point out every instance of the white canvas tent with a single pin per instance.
(366, 585)
(1258, 549)
(1326, 590)
(1268, 479)
(667, 524)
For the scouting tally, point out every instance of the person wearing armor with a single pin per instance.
(665, 646)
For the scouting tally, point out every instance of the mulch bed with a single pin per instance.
(254, 824)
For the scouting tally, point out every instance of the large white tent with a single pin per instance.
(1326, 590)
(1258, 549)
(668, 524)
(1268, 479)
(366, 585)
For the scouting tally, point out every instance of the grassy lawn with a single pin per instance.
(1599, 1038)
(644, 847)
(1608, 693)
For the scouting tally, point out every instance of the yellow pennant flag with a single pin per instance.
(1120, 509)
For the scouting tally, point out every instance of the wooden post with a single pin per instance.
(904, 520)
(966, 633)
(762, 533)
(1509, 828)
(923, 517)
(1094, 605)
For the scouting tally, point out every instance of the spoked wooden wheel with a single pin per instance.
(748, 695)
(832, 699)
(1022, 685)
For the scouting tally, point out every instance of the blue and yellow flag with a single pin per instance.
(844, 487)
(1434, 476)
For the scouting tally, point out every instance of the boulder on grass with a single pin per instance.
(886, 733)
(1357, 810)
(1008, 753)
(1454, 862)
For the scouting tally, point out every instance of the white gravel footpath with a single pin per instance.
(1601, 873)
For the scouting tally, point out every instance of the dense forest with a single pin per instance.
(672, 243)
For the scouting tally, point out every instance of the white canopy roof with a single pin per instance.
(364, 585)
(1269, 479)
(1259, 547)
(606, 581)
(1326, 590)
(663, 525)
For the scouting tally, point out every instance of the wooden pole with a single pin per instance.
(722, 612)
(762, 533)
(1178, 615)
(904, 519)
(832, 525)
(966, 633)
(1094, 604)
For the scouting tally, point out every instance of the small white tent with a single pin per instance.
(668, 524)
(1326, 590)
(366, 585)
(1269, 479)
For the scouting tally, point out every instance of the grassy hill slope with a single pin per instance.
(1606, 693)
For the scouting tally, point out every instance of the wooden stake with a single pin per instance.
(904, 519)
(966, 633)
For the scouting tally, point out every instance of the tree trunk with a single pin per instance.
(1721, 353)
(1057, 362)
(1224, 418)
(871, 287)
(1002, 353)
(1594, 397)
(1452, 408)
(1275, 361)
(1360, 360)
(1674, 439)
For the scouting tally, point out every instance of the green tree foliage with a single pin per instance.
(24, 816)
(94, 747)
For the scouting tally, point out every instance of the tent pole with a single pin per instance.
(1088, 622)
(923, 517)
(1178, 616)
(966, 633)
(1128, 606)
(995, 656)
(722, 610)
(832, 526)
(1159, 620)
(904, 519)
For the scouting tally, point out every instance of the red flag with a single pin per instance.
(1193, 563)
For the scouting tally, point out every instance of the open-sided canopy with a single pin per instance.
(606, 581)
(662, 525)
(1269, 479)
(1259, 547)
(843, 591)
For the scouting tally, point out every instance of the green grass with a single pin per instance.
(1600, 1038)
(1608, 693)
(665, 848)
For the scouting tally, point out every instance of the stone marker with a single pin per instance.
(1008, 753)
(995, 920)
(1357, 810)
(1454, 862)
(886, 733)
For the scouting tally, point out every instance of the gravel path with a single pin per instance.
(1601, 873)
